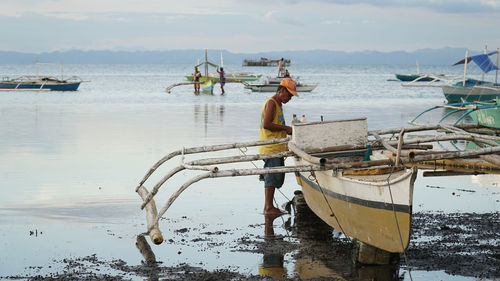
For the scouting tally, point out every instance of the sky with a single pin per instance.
(36, 26)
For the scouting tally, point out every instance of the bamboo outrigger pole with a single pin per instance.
(409, 158)
(314, 167)
(210, 148)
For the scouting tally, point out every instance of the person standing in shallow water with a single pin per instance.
(222, 78)
(196, 80)
(272, 126)
(281, 66)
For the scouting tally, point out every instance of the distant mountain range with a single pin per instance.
(443, 56)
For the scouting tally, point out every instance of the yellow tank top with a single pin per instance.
(266, 134)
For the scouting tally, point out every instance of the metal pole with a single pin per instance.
(496, 76)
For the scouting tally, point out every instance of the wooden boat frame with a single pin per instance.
(404, 153)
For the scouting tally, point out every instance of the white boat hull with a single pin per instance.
(363, 207)
(274, 88)
(476, 93)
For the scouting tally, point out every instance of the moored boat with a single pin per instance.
(418, 77)
(40, 83)
(488, 116)
(471, 90)
(362, 187)
(362, 204)
(485, 114)
(271, 84)
(231, 76)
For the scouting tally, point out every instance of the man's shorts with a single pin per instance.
(274, 180)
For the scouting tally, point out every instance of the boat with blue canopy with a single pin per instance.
(472, 89)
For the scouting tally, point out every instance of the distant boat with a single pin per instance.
(265, 62)
(418, 77)
(271, 84)
(41, 83)
(231, 76)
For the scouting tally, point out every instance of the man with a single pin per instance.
(281, 65)
(196, 80)
(222, 78)
(273, 126)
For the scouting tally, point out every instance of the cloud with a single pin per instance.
(68, 16)
(441, 6)
(331, 22)
(279, 18)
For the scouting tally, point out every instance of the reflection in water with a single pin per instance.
(272, 261)
(323, 253)
(209, 114)
(149, 257)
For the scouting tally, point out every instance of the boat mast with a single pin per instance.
(465, 66)
(222, 60)
(485, 51)
(418, 67)
(206, 64)
(36, 66)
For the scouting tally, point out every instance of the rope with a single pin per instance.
(243, 152)
(182, 155)
(397, 222)
(328, 203)
(274, 199)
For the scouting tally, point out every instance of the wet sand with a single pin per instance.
(458, 244)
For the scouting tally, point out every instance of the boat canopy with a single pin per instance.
(483, 61)
(207, 62)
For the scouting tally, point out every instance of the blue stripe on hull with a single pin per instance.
(60, 87)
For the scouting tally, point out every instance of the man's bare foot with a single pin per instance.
(273, 211)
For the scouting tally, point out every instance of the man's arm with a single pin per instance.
(268, 119)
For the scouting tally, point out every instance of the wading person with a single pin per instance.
(196, 80)
(272, 126)
(222, 78)
(281, 66)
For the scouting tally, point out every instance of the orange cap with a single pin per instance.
(289, 84)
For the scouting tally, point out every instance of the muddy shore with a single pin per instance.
(464, 244)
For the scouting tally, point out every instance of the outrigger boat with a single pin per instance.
(486, 114)
(419, 77)
(231, 76)
(360, 182)
(41, 83)
(271, 84)
(457, 89)
(208, 80)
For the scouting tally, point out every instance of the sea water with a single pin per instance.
(70, 162)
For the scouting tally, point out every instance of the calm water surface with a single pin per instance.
(70, 162)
